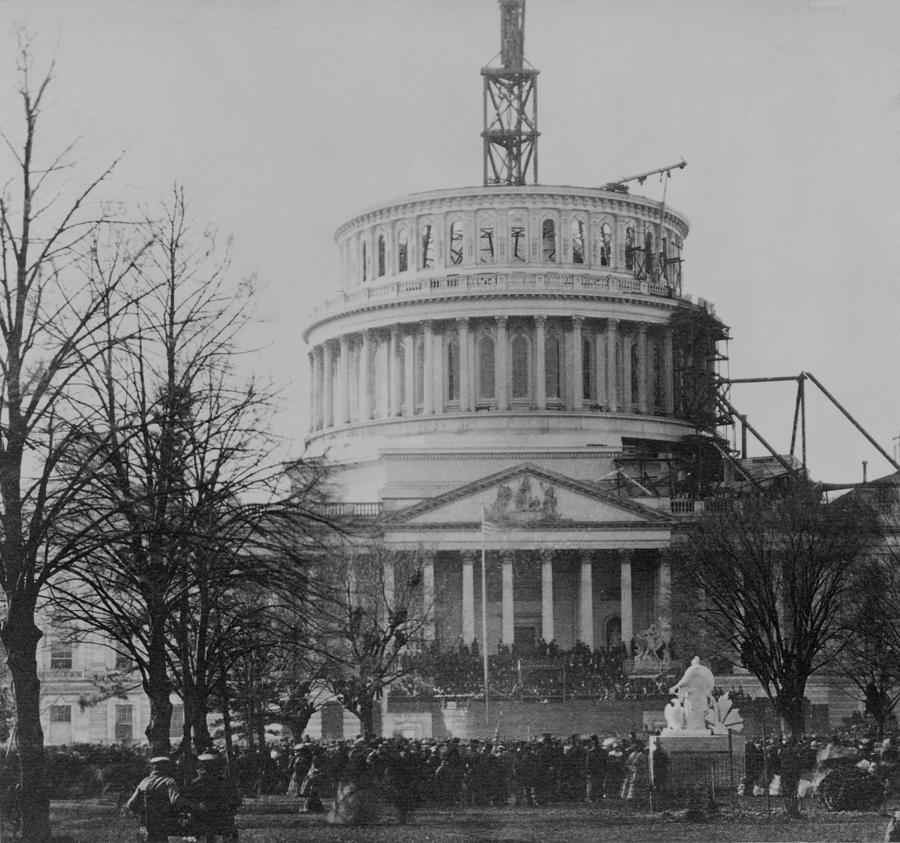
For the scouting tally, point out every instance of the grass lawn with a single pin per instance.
(275, 820)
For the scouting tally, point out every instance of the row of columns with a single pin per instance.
(585, 597)
(337, 386)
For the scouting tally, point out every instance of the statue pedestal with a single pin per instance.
(684, 761)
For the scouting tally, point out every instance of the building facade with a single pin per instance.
(508, 354)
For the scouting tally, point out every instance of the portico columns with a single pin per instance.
(365, 402)
(465, 381)
(394, 370)
(540, 362)
(577, 364)
(468, 597)
(586, 600)
(428, 385)
(508, 620)
(643, 368)
(547, 632)
(428, 594)
(328, 389)
(501, 379)
(437, 367)
(612, 390)
(627, 610)
(664, 590)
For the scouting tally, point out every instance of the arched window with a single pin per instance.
(629, 248)
(518, 246)
(520, 366)
(548, 241)
(486, 368)
(457, 243)
(577, 241)
(606, 244)
(587, 369)
(486, 243)
(452, 369)
(402, 250)
(663, 256)
(427, 246)
(553, 358)
(365, 261)
(648, 251)
(381, 255)
(419, 373)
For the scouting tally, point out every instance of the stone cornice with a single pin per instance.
(549, 526)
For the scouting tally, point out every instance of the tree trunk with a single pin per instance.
(366, 714)
(158, 688)
(226, 723)
(790, 710)
(20, 638)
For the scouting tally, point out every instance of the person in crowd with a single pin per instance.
(355, 800)
(158, 802)
(216, 800)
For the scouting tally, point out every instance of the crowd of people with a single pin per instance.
(357, 777)
(545, 673)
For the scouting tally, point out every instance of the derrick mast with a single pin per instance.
(510, 106)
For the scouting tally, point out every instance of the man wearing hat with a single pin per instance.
(158, 802)
(216, 800)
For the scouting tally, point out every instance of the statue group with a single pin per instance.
(692, 699)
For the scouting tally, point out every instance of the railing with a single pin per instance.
(453, 284)
(62, 673)
(351, 510)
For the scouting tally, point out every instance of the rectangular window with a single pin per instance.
(487, 244)
(123, 662)
(61, 657)
(124, 722)
(60, 714)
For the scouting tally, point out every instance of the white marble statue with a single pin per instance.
(694, 691)
(674, 714)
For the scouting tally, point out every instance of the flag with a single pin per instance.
(491, 530)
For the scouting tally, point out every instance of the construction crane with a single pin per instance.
(619, 185)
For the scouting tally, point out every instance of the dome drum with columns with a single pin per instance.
(512, 345)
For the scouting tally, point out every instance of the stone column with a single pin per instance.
(428, 390)
(547, 631)
(468, 597)
(501, 366)
(540, 362)
(394, 373)
(465, 379)
(586, 600)
(612, 391)
(577, 363)
(365, 398)
(643, 369)
(343, 385)
(328, 389)
(428, 594)
(313, 389)
(627, 609)
(668, 373)
(627, 403)
(389, 585)
(508, 607)
(440, 386)
(409, 375)
(600, 367)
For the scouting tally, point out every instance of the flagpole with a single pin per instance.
(484, 645)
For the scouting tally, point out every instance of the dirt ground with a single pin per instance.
(276, 820)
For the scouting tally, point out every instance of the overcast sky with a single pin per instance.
(285, 117)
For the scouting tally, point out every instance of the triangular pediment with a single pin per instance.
(527, 496)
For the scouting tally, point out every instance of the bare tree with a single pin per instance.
(770, 575)
(188, 485)
(376, 632)
(54, 308)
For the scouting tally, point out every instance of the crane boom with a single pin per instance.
(640, 178)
